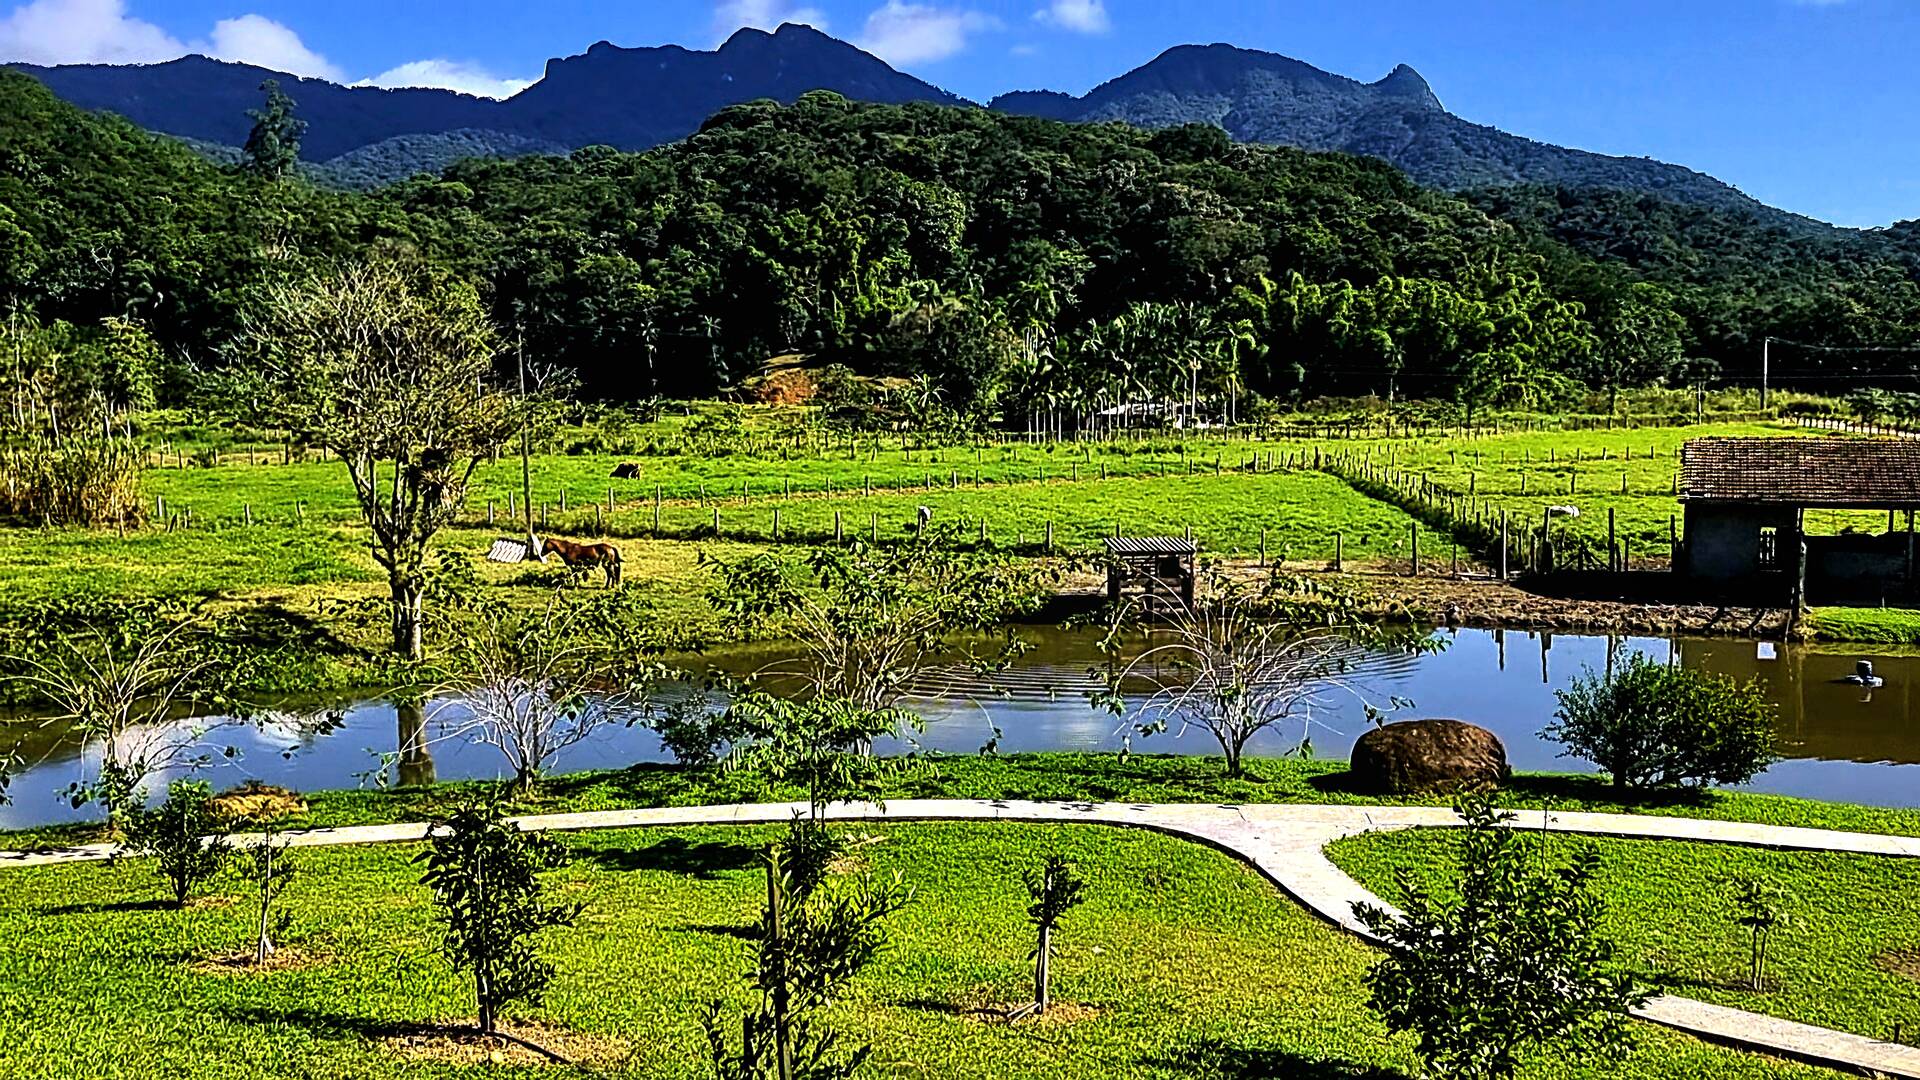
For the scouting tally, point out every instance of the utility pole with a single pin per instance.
(526, 469)
(1766, 368)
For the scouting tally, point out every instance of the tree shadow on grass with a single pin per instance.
(1567, 791)
(338, 1025)
(118, 907)
(704, 859)
(747, 933)
(1214, 1059)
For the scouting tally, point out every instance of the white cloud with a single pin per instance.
(82, 32)
(1079, 16)
(461, 75)
(256, 39)
(906, 33)
(102, 32)
(731, 15)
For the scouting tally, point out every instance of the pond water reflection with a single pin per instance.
(1841, 742)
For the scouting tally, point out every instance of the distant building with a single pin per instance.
(1746, 502)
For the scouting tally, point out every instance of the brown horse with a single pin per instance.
(581, 558)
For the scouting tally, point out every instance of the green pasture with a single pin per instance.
(1183, 962)
(1850, 920)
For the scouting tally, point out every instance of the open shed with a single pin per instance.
(1157, 569)
(1746, 503)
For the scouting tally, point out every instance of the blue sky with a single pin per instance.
(1806, 104)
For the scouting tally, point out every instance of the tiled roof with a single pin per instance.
(1806, 472)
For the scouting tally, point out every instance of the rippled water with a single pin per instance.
(1842, 742)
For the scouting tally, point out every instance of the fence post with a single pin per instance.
(1613, 543)
(1415, 530)
(1503, 545)
(1263, 547)
(656, 509)
(716, 521)
(1049, 535)
(839, 536)
(776, 524)
(1339, 552)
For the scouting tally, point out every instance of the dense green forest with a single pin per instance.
(1007, 266)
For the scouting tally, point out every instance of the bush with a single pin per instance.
(183, 836)
(1652, 726)
(1509, 958)
(484, 875)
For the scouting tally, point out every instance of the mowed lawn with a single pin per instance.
(1848, 958)
(1182, 963)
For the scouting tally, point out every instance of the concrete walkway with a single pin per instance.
(1287, 844)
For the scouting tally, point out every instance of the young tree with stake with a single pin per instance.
(811, 945)
(1055, 891)
(271, 868)
(484, 873)
(1756, 906)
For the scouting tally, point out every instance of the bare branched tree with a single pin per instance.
(389, 365)
(1240, 661)
(868, 620)
(122, 687)
(532, 683)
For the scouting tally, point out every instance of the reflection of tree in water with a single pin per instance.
(415, 760)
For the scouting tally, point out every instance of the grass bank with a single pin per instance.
(1062, 777)
(1182, 963)
(1875, 626)
(1848, 956)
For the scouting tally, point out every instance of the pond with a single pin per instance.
(1841, 742)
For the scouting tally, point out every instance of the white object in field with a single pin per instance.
(1563, 511)
(508, 551)
(1766, 651)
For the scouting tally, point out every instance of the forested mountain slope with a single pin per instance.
(940, 243)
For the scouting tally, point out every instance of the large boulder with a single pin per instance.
(1427, 755)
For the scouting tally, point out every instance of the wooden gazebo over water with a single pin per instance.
(1157, 569)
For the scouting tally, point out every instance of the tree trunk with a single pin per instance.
(483, 993)
(408, 614)
(264, 947)
(1040, 971)
(416, 758)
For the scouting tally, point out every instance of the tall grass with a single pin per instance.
(82, 482)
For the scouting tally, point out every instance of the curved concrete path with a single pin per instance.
(1287, 844)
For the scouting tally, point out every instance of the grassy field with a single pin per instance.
(1182, 963)
(1848, 958)
(306, 542)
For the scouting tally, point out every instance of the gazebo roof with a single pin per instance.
(1150, 545)
(1826, 472)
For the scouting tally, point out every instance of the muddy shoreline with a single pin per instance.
(1481, 601)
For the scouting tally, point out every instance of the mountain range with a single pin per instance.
(638, 98)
